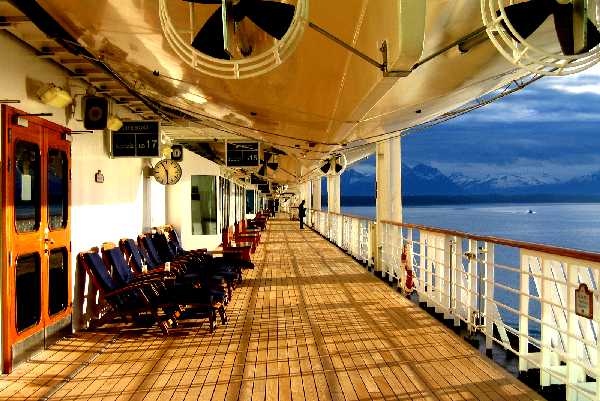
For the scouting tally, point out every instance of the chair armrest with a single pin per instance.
(126, 289)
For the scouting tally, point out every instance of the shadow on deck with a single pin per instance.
(309, 323)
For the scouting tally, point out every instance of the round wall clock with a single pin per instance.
(167, 172)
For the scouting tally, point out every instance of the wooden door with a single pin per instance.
(36, 189)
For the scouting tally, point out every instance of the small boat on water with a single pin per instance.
(530, 211)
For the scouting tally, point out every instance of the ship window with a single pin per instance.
(58, 185)
(58, 282)
(225, 202)
(204, 205)
(27, 291)
(250, 201)
(27, 187)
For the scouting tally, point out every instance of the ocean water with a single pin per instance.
(574, 226)
(568, 225)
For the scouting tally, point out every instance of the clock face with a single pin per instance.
(167, 172)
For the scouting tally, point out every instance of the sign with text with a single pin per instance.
(584, 302)
(177, 153)
(136, 139)
(242, 154)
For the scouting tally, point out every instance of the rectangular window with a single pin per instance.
(250, 201)
(204, 205)
(58, 185)
(58, 281)
(225, 202)
(27, 187)
(27, 291)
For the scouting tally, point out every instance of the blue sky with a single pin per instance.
(551, 127)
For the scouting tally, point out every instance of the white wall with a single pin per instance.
(99, 212)
(178, 211)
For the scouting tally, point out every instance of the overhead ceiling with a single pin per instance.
(323, 99)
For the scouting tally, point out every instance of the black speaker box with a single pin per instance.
(95, 112)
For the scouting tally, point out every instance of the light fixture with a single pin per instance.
(55, 96)
(114, 123)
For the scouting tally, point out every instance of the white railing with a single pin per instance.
(518, 295)
(525, 291)
(351, 233)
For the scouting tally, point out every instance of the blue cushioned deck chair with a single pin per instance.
(230, 260)
(184, 300)
(138, 254)
(198, 264)
(125, 300)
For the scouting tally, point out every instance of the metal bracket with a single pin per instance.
(383, 49)
(384, 67)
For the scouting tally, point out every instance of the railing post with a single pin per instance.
(447, 277)
(409, 254)
(571, 351)
(372, 243)
(546, 313)
(458, 279)
(489, 295)
(472, 283)
(422, 267)
(524, 312)
(434, 269)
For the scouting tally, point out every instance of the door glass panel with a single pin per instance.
(27, 187)
(28, 297)
(58, 171)
(58, 281)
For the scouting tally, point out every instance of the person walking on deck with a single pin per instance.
(301, 214)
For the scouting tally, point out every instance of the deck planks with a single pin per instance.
(307, 324)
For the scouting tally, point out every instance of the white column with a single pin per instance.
(396, 179)
(316, 186)
(308, 198)
(330, 194)
(383, 199)
(336, 194)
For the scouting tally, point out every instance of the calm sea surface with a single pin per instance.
(568, 225)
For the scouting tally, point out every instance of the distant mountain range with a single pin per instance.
(423, 181)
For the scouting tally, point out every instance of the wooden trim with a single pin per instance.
(554, 250)
(531, 246)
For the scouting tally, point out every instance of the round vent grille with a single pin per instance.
(517, 48)
(233, 69)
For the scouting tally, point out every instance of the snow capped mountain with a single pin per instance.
(424, 180)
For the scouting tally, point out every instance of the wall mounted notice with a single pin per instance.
(136, 139)
(584, 302)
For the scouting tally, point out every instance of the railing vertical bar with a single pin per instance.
(422, 267)
(524, 312)
(458, 279)
(473, 279)
(447, 276)
(489, 294)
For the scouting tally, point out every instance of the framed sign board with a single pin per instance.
(136, 139)
(584, 302)
(242, 154)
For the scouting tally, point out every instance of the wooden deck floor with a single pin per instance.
(308, 324)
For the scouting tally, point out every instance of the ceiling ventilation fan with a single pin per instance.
(221, 33)
(577, 34)
(335, 165)
(269, 161)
